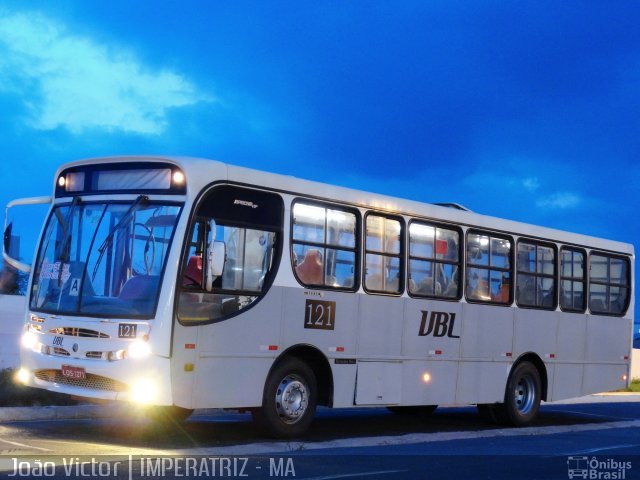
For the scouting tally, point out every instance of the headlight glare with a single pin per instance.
(139, 349)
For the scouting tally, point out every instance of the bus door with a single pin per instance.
(230, 259)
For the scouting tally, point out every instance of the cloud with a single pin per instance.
(492, 179)
(74, 82)
(531, 184)
(561, 200)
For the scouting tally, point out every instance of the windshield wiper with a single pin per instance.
(143, 201)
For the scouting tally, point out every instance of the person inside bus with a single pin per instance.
(193, 272)
(309, 271)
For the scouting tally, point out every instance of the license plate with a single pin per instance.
(74, 372)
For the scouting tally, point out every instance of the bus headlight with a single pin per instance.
(143, 391)
(29, 340)
(139, 349)
(22, 376)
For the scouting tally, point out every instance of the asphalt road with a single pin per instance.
(586, 440)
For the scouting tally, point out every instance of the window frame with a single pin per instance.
(357, 243)
(409, 257)
(537, 275)
(278, 230)
(401, 255)
(510, 270)
(608, 284)
(106, 202)
(585, 278)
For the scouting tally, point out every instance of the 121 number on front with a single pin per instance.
(319, 314)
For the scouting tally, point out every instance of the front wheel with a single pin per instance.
(289, 400)
(523, 394)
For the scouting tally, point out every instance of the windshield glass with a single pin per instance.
(103, 259)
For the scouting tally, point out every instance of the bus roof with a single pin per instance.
(217, 171)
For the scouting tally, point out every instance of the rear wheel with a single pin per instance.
(523, 394)
(289, 401)
(521, 400)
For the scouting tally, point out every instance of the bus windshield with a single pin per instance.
(103, 259)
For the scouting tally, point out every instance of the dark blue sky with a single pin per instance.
(523, 110)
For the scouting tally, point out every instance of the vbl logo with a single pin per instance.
(440, 324)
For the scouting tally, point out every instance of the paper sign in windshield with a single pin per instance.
(51, 271)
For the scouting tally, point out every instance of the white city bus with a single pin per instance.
(189, 283)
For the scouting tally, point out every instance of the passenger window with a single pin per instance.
(323, 246)
(572, 280)
(608, 284)
(434, 261)
(488, 277)
(536, 281)
(249, 247)
(383, 261)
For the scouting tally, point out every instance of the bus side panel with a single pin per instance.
(344, 383)
(230, 382)
(567, 382)
(535, 331)
(431, 345)
(571, 344)
(604, 378)
(482, 382)
(183, 362)
(432, 329)
(379, 383)
(335, 339)
(572, 337)
(486, 353)
(607, 353)
(380, 326)
(608, 338)
(487, 332)
(234, 355)
(323, 319)
(429, 382)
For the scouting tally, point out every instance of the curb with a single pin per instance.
(611, 397)
(76, 412)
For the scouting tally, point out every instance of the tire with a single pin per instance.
(422, 411)
(523, 395)
(289, 400)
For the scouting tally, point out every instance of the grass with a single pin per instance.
(13, 394)
(634, 387)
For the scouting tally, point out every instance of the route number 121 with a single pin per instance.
(319, 314)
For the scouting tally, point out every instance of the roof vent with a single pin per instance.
(457, 206)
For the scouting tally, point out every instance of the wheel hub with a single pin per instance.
(525, 394)
(292, 399)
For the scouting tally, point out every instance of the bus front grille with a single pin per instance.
(95, 382)
(77, 332)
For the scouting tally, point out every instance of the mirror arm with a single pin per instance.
(23, 267)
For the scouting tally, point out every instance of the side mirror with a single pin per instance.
(7, 246)
(7, 237)
(6, 250)
(216, 253)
